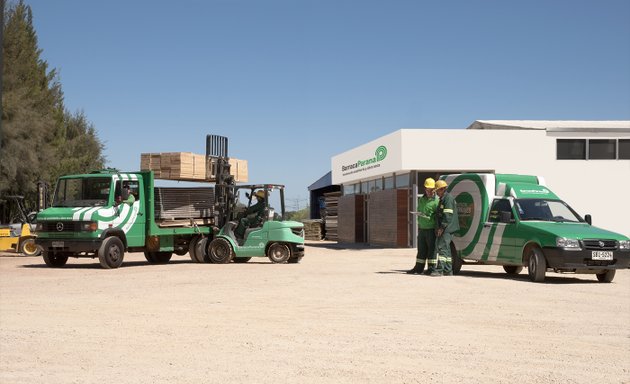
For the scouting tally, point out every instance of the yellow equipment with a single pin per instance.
(18, 237)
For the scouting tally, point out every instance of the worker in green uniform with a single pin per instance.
(447, 224)
(427, 205)
(253, 215)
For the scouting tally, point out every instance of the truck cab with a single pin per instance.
(517, 221)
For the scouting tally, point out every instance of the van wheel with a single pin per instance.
(111, 253)
(54, 260)
(278, 253)
(158, 257)
(457, 262)
(606, 277)
(220, 251)
(536, 265)
(513, 269)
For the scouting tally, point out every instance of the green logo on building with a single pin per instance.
(381, 153)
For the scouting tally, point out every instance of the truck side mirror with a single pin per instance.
(588, 219)
(505, 217)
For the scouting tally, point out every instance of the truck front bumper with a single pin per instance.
(585, 260)
(69, 246)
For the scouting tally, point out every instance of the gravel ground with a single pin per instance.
(340, 316)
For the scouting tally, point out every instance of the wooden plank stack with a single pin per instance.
(313, 229)
(188, 166)
(331, 200)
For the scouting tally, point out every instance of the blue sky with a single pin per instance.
(294, 82)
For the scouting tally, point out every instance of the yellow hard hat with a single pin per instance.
(429, 183)
(440, 184)
(260, 194)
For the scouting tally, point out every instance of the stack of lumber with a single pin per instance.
(183, 203)
(313, 229)
(331, 201)
(238, 169)
(188, 166)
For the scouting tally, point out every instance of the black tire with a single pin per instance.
(536, 265)
(201, 251)
(456, 260)
(242, 260)
(54, 260)
(192, 249)
(111, 253)
(158, 257)
(513, 269)
(29, 248)
(294, 260)
(279, 253)
(220, 251)
(606, 277)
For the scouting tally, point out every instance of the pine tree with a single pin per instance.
(41, 140)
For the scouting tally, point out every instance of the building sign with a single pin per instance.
(372, 159)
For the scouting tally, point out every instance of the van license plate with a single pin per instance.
(602, 255)
(57, 244)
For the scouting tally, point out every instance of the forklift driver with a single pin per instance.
(253, 216)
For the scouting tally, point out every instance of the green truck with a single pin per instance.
(107, 213)
(516, 221)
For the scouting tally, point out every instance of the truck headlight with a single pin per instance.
(89, 226)
(568, 244)
(624, 245)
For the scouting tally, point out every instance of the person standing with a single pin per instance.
(427, 205)
(447, 224)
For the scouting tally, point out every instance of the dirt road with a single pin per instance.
(340, 316)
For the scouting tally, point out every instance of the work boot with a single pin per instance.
(416, 270)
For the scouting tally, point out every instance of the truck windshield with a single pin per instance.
(82, 192)
(546, 210)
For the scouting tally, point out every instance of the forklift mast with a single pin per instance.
(217, 157)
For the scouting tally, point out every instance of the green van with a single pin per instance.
(516, 221)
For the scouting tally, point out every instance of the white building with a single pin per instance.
(586, 163)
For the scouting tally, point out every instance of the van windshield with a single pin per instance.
(545, 210)
(82, 192)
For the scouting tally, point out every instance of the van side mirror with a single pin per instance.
(505, 217)
(588, 219)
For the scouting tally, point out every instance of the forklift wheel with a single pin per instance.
(29, 248)
(279, 253)
(220, 251)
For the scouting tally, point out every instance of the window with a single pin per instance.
(571, 149)
(402, 181)
(348, 189)
(624, 149)
(602, 149)
(498, 206)
(389, 182)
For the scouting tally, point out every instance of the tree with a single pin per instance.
(41, 139)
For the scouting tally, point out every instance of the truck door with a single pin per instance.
(130, 204)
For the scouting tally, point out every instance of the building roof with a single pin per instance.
(323, 182)
(555, 125)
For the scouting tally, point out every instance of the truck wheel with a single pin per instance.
(202, 251)
(242, 260)
(606, 277)
(220, 251)
(278, 253)
(536, 266)
(456, 260)
(54, 260)
(111, 253)
(158, 257)
(29, 248)
(513, 269)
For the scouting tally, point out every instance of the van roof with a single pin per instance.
(530, 191)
